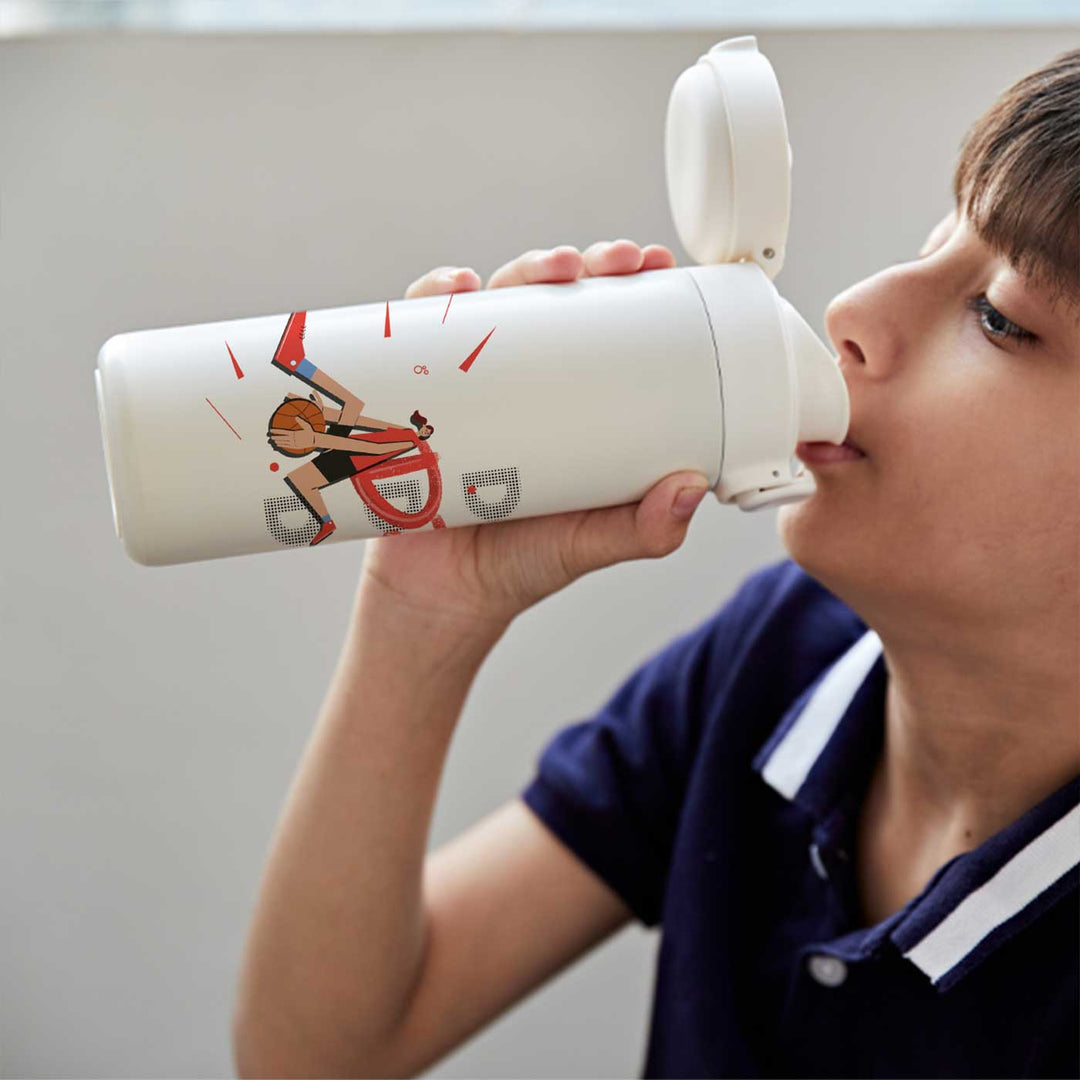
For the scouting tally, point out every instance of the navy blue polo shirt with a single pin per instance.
(717, 793)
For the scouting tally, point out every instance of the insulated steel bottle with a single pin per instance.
(307, 427)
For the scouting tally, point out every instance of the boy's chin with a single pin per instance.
(791, 526)
(815, 534)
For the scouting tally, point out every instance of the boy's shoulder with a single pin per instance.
(678, 736)
(761, 650)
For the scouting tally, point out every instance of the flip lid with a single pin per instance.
(728, 159)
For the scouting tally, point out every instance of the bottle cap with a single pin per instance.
(728, 160)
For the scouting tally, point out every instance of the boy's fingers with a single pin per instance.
(444, 279)
(657, 257)
(612, 257)
(562, 263)
(625, 257)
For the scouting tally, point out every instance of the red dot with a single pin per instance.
(472, 489)
(273, 466)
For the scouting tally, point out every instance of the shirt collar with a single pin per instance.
(821, 755)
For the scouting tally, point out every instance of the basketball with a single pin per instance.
(285, 417)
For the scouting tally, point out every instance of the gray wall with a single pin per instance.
(153, 717)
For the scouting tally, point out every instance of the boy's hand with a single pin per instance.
(564, 263)
(487, 574)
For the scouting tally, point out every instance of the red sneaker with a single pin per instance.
(327, 528)
(290, 350)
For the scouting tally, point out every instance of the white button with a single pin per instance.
(815, 858)
(827, 970)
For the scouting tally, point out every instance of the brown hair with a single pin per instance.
(420, 422)
(1018, 177)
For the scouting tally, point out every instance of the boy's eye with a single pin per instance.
(995, 324)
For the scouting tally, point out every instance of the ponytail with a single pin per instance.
(420, 422)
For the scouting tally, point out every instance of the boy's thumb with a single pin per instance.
(648, 529)
(690, 489)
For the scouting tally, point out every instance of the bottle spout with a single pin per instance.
(822, 402)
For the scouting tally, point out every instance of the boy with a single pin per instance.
(850, 795)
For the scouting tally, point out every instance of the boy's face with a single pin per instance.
(967, 504)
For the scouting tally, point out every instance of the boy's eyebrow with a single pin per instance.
(1033, 292)
(1050, 285)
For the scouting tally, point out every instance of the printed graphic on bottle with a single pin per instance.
(304, 425)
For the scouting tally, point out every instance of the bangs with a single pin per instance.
(1018, 178)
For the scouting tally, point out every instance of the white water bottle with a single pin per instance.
(297, 429)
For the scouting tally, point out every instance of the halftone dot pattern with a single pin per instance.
(408, 489)
(275, 507)
(471, 482)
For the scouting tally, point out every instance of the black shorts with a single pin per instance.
(335, 465)
(338, 465)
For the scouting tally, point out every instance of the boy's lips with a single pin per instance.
(825, 453)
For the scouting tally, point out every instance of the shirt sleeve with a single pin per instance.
(611, 787)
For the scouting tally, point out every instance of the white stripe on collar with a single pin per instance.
(795, 754)
(1029, 872)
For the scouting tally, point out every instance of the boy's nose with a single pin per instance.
(854, 347)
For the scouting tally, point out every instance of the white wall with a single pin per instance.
(153, 718)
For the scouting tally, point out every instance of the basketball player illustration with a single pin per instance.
(339, 455)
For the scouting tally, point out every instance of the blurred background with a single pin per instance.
(172, 163)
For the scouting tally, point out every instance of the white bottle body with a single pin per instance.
(543, 399)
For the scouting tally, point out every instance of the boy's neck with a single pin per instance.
(970, 747)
